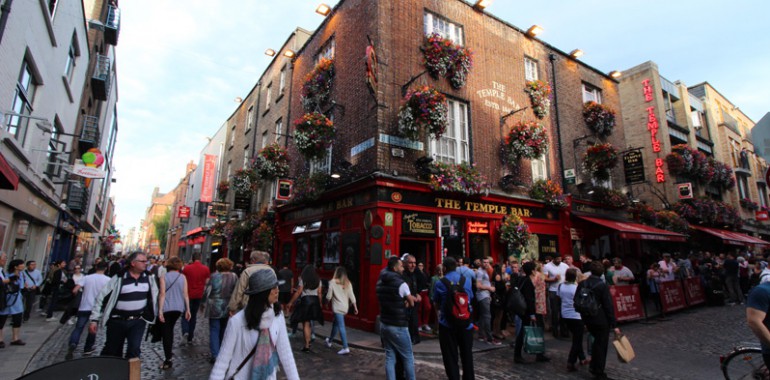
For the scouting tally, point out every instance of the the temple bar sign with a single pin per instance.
(418, 223)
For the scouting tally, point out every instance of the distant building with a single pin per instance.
(760, 134)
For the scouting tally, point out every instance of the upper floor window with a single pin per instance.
(591, 94)
(323, 165)
(453, 146)
(530, 69)
(540, 168)
(72, 54)
(55, 147)
(278, 130)
(268, 94)
(436, 24)
(246, 158)
(232, 136)
(282, 80)
(22, 102)
(264, 139)
(250, 118)
(743, 186)
(762, 190)
(327, 51)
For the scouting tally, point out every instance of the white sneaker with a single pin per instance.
(71, 322)
(426, 328)
(343, 351)
(52, 319)
(328, 343)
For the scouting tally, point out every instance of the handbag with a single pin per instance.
(624, 349)
(533, 340)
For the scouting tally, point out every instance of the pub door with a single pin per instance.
(478, 246)
(423, 250)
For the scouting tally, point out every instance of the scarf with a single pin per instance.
(265, 358)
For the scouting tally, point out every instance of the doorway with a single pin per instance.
(478, 247)
(422, 250)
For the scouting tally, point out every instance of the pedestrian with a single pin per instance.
(599, 325)
(423, 287)
(619, 274)
(394, 297)
(258, 331)
(33, 281)
(757, 308)
(484, 291)
(438, 272)
(498, 300)
(526, 285)
(58, 282)
(132, 304)
(669, 268)
(14, 308)
(341, 296)
(71, 309)
(453, 338)
(309, 291)
(218, 293)
(732, 280)
(554, 275)
(410, 276)
(90, 285)
(285, 285)
(174, 301)
(197, 275)
(572, 319)
(92, 270)
(259, 260)
(654, 275)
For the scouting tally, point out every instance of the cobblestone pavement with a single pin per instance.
(687, 346)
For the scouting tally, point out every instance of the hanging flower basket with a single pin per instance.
(748, 204)
(644, 214)
(609, 197)
(540, 96)
(245, 181)
(317, 89)
(424, 109)
(670, 221)
(687, 162)
(599, 159)
(708, 212)
(599, 118)
(723, 175)
(442, 58)
(222, 189)
(514, 231)
(308, 188)
(313, 135)
(463, 178)
(527, 139)
(272, 162)
(549, 192)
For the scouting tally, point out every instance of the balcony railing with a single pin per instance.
(100, 81)
(670, 88)
(77, 200)
(89, 136)
(112, 26)
(730, 122)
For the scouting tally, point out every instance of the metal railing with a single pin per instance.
(112, 25)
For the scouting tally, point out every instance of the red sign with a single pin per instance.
(209, 174)
(762, 215)
(652, 127)
(478, 227)
(627, 302)
(371, 69)
(694, 291)
(283, 189)
(183, 212)
(672, 296)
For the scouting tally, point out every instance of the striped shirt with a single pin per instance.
(133, 297)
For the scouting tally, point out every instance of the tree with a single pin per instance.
(160, 225)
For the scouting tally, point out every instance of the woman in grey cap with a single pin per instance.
(256, 341)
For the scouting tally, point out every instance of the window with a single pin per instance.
(72, 53)
(246, 158)
(540, 168)
(250, 119)
(52, 5)
(436, 24)
(229, 164)
(278, 130)
(453, 145)
(22, 102)
(762, 190)
(232, 136)
(591, 94)
(264, 139)
(267, 95)
(323, 165)
(54, 169)
(743, 186)
(282, 80)
(326, 52)
(530, 69)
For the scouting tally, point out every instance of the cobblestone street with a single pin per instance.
(687, 346)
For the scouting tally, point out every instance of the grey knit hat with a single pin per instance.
(261, 280)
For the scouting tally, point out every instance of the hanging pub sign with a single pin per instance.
(418, 223)
(371, 69)
(218, 209)
(633, 166)
(242, 202)
(183, 212)
(283, 190)
(762, 215)
(684, 190)
(478, 227)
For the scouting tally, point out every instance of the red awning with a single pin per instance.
(194, 231)
(9, 180)
(181, 244)
(198, 240)
(731, 237)
(631, 230)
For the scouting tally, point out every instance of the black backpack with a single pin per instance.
(585, 302)
(456, 307)
(516, 304)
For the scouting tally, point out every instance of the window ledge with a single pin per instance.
(48, 22)
(279, 97)
(67, 88)
(266, 111)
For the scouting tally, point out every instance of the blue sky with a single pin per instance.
(181, 67)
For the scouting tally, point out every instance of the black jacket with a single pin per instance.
(602, 293)
(527, 289)
(392, 308)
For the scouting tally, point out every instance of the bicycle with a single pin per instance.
(744, 362)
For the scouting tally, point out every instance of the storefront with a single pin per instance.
(366, 223)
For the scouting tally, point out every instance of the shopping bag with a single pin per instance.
(533, 340)
(624, 349)
(589, 343)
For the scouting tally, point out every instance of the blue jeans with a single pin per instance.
(216, 334)
(79, 326)
(397, 342)
(339, 325)
(189, 327)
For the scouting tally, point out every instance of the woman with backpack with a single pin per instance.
(526, 285)
(598, 321)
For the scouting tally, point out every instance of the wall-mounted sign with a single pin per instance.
(371, 69)
(633, 167)
(283, 189)
(388, 219)
(418, 223)
(209, 174)
(570, 176)
(497, 99)
(183, 212)
(88, 172)
(684, 190)
(396, 197)
(762, 215)
(478, 227)
(218, 209)
(242, 202)
(652, 127)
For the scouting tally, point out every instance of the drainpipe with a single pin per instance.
(5, 10)
(552, 58)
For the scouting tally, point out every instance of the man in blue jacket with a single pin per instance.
(452, 339)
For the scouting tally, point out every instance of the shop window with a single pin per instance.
(453, 146)
(530, 69)
(434, 23)
(591, 94)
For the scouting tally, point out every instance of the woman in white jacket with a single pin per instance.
(256, 341)
(341, 296)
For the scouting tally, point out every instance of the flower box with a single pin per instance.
(316, 90)
(313, 135)
(462, 178)
(599, 159)
(442, 58)
(549, 192)
(244, 181)
(514, 231)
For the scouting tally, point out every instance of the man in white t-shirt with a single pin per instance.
(554, 275)
(668, 267)
(91, 285)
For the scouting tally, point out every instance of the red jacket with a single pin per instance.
(196, 274)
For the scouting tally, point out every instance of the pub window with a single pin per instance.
(434, 23)
(282, 80)
(452, 147)
(264, 139)
(250, 119)
(591, 94)
(530, 69)
(246, 158)
(743, 186)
